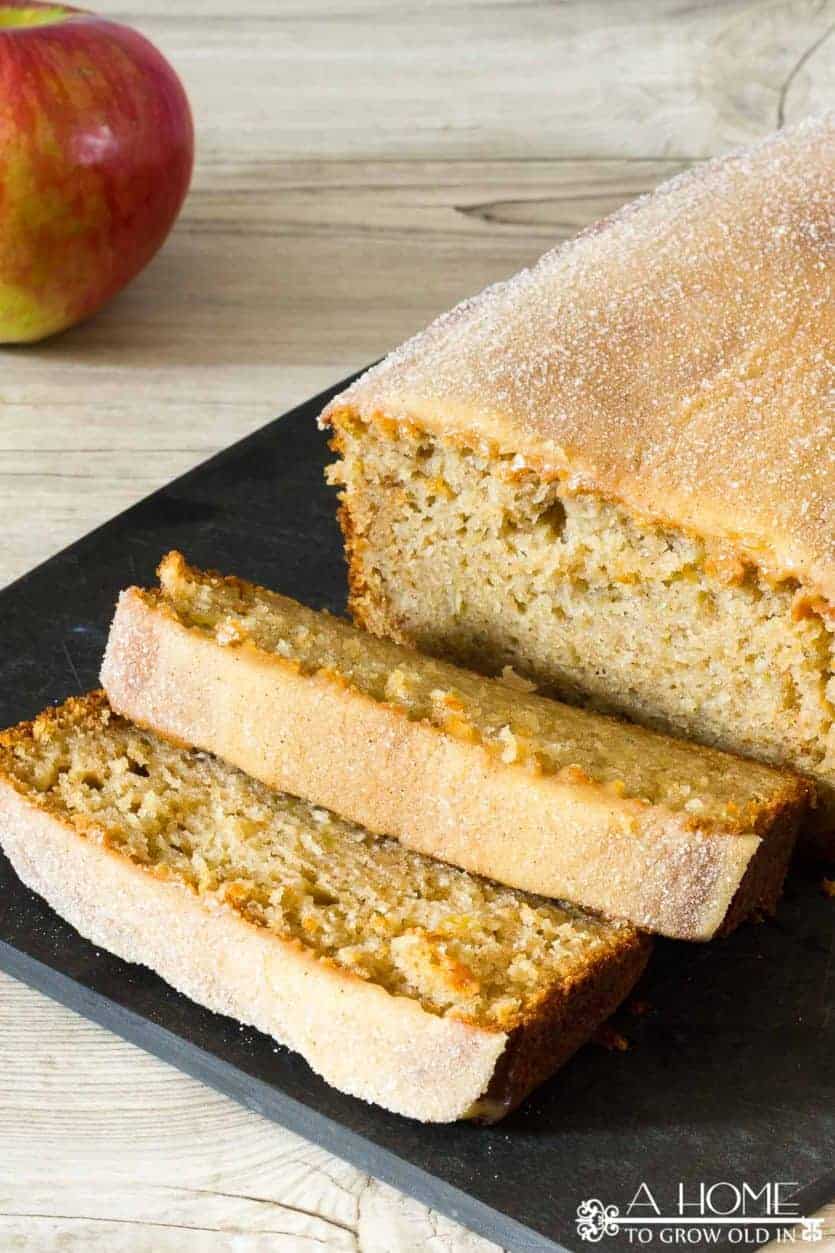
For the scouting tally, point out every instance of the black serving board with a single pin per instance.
(731, 1070)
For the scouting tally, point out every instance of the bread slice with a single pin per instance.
(676, 839)
(402, 981)
(614, 471)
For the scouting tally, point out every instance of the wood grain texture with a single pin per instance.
(106, 1148)
(361, 165)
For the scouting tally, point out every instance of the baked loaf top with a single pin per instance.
(676, 357)
(402, 980)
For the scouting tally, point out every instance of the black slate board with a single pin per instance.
(731, 1073)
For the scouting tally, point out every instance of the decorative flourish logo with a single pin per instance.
(596, 1220)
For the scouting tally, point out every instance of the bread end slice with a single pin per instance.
(364, 1040)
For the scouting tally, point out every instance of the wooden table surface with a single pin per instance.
(361, 165)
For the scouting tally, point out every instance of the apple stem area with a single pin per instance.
(12, 16)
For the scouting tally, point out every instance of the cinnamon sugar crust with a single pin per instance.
(676, 357)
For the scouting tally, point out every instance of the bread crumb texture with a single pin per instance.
(461, 946)
(506, 717)
(576, 594)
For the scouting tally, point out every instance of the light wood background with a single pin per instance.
(361, 165)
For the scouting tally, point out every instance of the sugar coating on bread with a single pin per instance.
(676, 356)
(459, 945)
(615, 472)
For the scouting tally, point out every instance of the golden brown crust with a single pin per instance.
(762, 886)
(676, 359)
(562, 1023)
(558, 835)
(362, 1039)
(358, 591)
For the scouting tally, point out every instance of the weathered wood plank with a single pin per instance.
(460, 78)
(103, 1147)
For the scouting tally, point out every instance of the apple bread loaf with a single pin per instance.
(615, 472)
(401, 980)
(675, 838)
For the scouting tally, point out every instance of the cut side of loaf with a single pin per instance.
(543, 797)
(614, 472)
(402, 981)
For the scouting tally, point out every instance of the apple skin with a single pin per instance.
(96, 154)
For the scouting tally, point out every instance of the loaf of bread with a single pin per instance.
(401, 980)
(675, 838)
(615, 472)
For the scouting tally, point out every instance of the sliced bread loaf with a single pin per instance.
(675, 838)
(401, 980)
(614, 470)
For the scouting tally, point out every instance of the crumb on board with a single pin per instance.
(638, 1008)
(608, 1038)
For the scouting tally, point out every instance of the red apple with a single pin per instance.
(96, 152)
